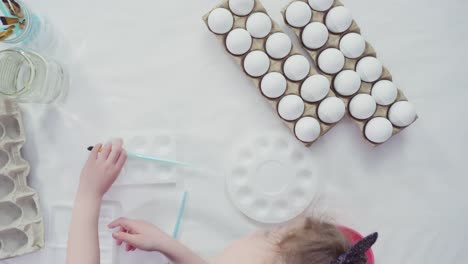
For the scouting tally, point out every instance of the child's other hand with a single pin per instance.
(102, 168)
(138, 234)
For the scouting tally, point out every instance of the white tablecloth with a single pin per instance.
(153, 65)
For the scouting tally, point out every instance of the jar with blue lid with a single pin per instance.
(18, 23)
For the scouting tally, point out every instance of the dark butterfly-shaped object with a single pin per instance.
(357, 253)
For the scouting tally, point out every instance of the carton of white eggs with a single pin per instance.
(282, 74)
(332, 38)
(21, 224)
(311, 101)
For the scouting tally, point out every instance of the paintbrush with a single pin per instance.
(9, 20)
(13, 7)
(22, 24)
(175, 232)
(149, 158)
(6, 33)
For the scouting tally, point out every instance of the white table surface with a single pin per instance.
(153, 65)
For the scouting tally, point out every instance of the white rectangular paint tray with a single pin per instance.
(61, 215)
(141, 172)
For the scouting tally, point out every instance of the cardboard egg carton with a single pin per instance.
(350, 64)
(275, 66)
(21, 224)
(293, 87)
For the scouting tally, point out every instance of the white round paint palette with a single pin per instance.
(270, 180)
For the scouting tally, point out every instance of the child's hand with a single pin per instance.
(102, 168)
(140, 234)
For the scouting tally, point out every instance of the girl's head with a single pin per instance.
(305, 241)
(318, 242)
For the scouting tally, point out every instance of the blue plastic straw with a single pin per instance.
(175, 233)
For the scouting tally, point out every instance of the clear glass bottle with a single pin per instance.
(26, 76)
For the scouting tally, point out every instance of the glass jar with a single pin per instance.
(20, 34)
(26, 76)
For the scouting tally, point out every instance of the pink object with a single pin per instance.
(353, 236)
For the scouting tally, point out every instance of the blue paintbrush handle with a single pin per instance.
(150, 158)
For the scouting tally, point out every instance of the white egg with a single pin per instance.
(307, 129)
(321, 5)
(338, 19)
(378, 130)
(370, 69)
(220, 20)
(315, 35)
(296, 67)
(331, 61)
(315, 88)
(402, 114)
(256, 63)
(259, 25)
(273, 85)
(298, 14)
(384, 92)
(352, 45)
(238, 41)
(291, 107)
(331, 110)
(241, 7)
(278, 45)
(347, 82)
(362, 106)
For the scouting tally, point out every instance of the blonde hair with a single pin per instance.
(314, 242)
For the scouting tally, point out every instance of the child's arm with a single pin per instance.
(142, 235)
(98, 174)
